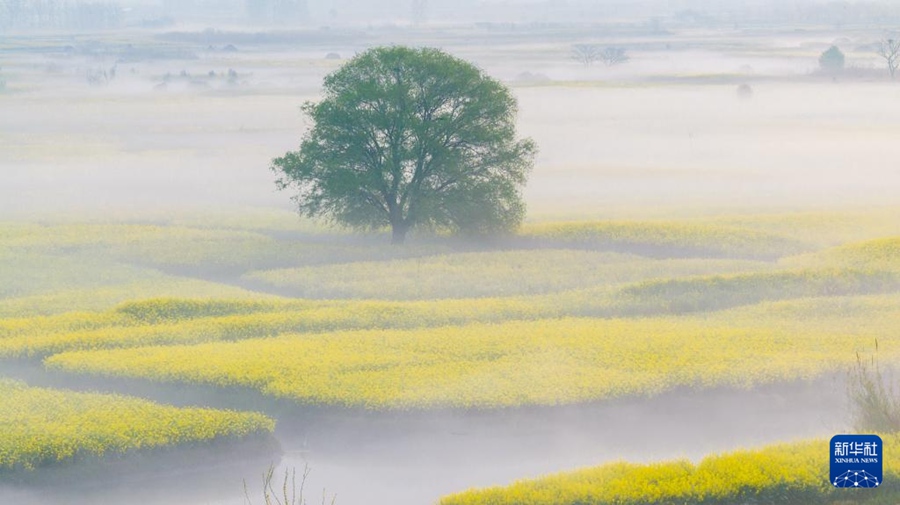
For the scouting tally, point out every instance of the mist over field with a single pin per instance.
(712, 238)
(666, 128)
(795, 144)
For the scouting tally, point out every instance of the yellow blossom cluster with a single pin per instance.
(41, 426)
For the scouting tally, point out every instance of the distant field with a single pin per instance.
(487, 274)
(65, 266)
(140, 324)
(668, 238)
(44, 427)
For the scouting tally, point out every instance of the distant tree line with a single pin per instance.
(60, 14)
(888, 49)
(588, 54)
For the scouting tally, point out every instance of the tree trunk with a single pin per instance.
(398, 233)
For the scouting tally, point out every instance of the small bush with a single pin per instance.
(832, 60)
(875, 403)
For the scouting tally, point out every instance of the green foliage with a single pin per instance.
(832, 60)
(411, 138)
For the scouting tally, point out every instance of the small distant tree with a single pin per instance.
(97, 77)
(611, 56)
(586, 54)
(832, 60)
(889, 50)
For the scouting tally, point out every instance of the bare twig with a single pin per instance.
(586, 54)
(611, 56)
(889, 50)
(289, 492)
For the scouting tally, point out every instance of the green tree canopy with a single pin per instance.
(408, 138)
(832, 60)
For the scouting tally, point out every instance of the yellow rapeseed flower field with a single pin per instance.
(792, 474)
(677, 237)
(40, 426)
(880, 254)
(697, 304)
(178, 321)
(549, 361)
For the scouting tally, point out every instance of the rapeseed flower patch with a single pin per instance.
(39, 426)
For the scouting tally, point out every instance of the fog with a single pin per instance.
(413, 458)
(159, 107)
(656, 14)
(666, 128)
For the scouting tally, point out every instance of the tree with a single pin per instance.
(832, 60)
(586, 54)
(410, 138)
(613, 56)
(889, 50)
